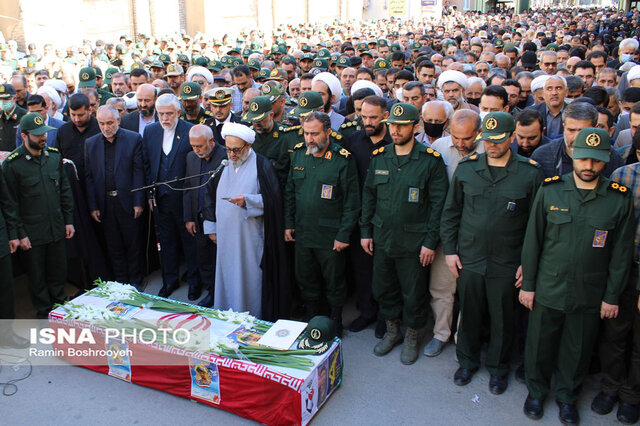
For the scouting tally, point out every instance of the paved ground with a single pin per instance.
(375, 391)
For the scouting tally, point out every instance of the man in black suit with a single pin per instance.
(113, 167)
(205, 157)
(137, 121)
(165, 147)
(555, 91)
(218, 102)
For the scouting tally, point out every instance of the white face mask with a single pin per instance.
(483, 114)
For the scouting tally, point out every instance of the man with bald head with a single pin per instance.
(205, 157)
(137, 121)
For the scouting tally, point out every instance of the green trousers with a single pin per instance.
(568, 338)
(6, 288)
(400, 286)
(46, 266)
(320, 272)
(480, 294)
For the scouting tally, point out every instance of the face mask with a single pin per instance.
(433, 130)
(625, 57)
(6, 105)
(568, 100)
(483, 114)
(474, 101)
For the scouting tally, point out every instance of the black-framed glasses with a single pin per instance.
(236, 151)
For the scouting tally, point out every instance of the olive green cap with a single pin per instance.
(190, 91)
(395, 47)
(322, 64)
(254, 64)
(157, 64)
(202, 61)
(214, 65)
(344, 62)
(164, 58)
(307, 102)
(272, 89)
(380, 64)
(416, 45)
(108, 75)
(593, 143)
(7, 91)
(362, 47)
(403, 113)
(34, 123)
(319, 334)
(235, 62)
(323, 53)
(383, 42)
(263, 73)
(497, 127)
(258, 108)
(307, 57)
(277, 74)
(498, 43)
(183, 58)
(87, 77)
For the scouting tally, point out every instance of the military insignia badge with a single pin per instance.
(303, 102)
(274, 72)
(397, 110)
(593, 139)
(600, 238)
(1, 89)
(85, 76)
(327, 192)
(38, 120)
(266, 89)
(220, 94)
(328, 155)
(254, 107)
(186, 89)
(491, 123)
(414, 195)
(383, 64)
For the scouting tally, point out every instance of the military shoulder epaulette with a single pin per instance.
(433, 152)
(209, 113)
(344, 153)
(378, 150)
(528, 161)
(618, 187)
(349, 124)
(336, 135)
(472, 157)
(549, 180)
(53, 149)
(298, 145)
(13, 156)
(288, 129)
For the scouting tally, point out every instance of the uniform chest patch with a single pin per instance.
(382, 172)
(600, 238)
(327, 192)
(414, 195)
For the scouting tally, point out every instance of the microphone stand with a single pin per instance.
(211, 173)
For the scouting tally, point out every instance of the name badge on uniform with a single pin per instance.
(327, 192)
(511, 206)
(414, 195)
(382, 172)
(600, 238)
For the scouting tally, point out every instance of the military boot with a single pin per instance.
(409, 352)
(390, 339)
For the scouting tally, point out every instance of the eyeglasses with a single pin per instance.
(236, 151)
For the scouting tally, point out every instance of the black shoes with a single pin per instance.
(628, 413)
(381, 328)
(520, 374)
(207, 302)
(12, 340)
(361, 323)
(498, 384)
(533, 408)
(603, 403)
(568, 413)
(166, 291)
(194, 292)
(463, 376)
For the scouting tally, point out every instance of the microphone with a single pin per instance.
(222, 165)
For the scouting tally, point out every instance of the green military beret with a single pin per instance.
(236, 62)
(214, 65)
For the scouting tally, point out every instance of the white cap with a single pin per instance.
(453, 76)
(634, 73)
(538, 82)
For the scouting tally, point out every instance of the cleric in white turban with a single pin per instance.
(243, 215)
(536, 85)
(452, 85)
(329, 87)
(199, 73)
(366, 84)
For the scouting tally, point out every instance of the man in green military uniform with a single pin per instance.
(482, 229)
(87, 79)
(402, 201)
(322, 202)
(275, 92)
(7, 313)
(576, 259)
(40, 212)
(191, 98)
(269, 141)
(10, 116)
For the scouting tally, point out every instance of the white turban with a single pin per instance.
(238, 130)
(634, 73)
(538, 82)
(59, 85)
(52, 94)
(130, 100)
(198, 70)
(453, 76)
(331, 81)
(366, 84)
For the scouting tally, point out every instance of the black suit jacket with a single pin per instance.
(131, 121)
(152, 153)
(190, 198)
(128, 170)
(542, 109)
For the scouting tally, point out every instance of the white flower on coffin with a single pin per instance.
(222, 343)
(88, 313)
(242, 318)
(115, 291)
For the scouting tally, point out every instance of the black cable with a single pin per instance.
(10, 385)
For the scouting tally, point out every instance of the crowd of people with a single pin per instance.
(490, 159)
